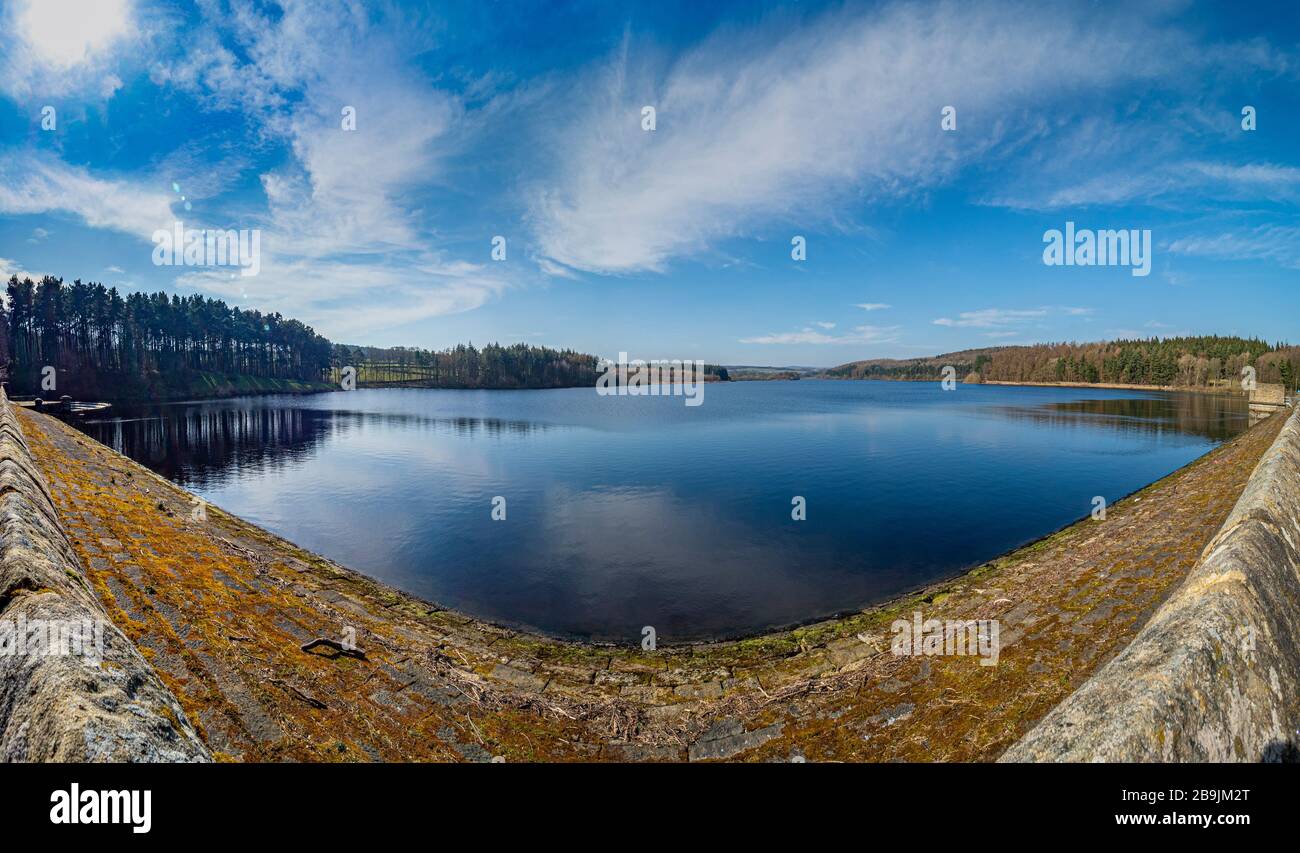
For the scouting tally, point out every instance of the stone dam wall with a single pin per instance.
(72, 686)
(1215, 674)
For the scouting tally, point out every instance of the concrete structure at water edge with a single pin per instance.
(1215, 674)
(1265, 400)
(72, 686)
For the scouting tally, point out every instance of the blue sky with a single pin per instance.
(524, 120)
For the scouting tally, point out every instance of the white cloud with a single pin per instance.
(859, 335)
(987, 317)
(825, 325)
(53, 48)
(293, 86)
(872, 306)
(1277, 243)
(349, 299)
(554, 270)
(10, 267)
(793, 124)
(1253, 174)
(31, 184)
(343, 246)
(1151, 182)
(1013, 322)
(64, 33)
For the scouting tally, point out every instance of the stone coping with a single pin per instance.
(72, 686)
(1215, 674)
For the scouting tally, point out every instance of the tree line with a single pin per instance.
(468, 366)
(102, 344)
(99, 341)
(1193, 362)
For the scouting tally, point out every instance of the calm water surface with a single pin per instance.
(624, 512)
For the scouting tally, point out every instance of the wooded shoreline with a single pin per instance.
(1119, 386)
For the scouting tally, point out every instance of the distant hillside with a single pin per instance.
(1201, 362)
(923, 368)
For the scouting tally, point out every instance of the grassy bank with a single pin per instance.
(180, 385)
(205, 385)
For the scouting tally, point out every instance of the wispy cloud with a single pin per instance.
(987, 317)
(1277, 243)
(792, 124)
(872, 306)
(344, 247)
(859, 335)
(1155, 183)
(31, 184)
(1020, 318)
(1251, 174)
(351, 299)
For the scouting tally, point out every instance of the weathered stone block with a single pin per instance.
(108, 705)
(1215, 674)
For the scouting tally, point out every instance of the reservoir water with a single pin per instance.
(623, 512)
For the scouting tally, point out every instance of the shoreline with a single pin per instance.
(1118, 386)
(221, 608)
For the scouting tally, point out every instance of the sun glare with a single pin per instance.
(65, 33)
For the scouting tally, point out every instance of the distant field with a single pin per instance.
(393, 373)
